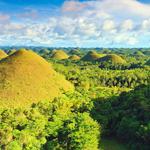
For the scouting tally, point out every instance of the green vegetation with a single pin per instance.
(112, 144)
(148, 62)
(59, 124)
(103, 105)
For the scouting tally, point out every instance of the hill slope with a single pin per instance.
(112, 58)
(11, 52)
(59, 54)
(2, 54)
(26, 77)
(92, 56)
(74, 57)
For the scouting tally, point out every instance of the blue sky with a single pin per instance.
(84, 23)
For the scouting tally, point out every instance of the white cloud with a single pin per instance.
(108, 25)
(146, 24)
(127, 25)
(99, 21)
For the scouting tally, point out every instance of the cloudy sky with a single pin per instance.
(74, 23)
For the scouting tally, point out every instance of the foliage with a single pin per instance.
(93, 76)
(50, 125)
(126, 116)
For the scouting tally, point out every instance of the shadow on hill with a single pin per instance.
(126, 117)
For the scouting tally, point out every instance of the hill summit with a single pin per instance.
(59, 54)
(2, 54)
(27, 78)
(92, 56)
(74, 57)
(112, 58)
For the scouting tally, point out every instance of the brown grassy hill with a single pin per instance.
(112, 58)
(74, 57)
(92, 56)
(2, 54)
(59, 54)
(25, 77)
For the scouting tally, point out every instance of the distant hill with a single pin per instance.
(75, 52)
(112, 58)
(74, 57)
(26, 78)
(138, 53)
(2, 54)
(92, 56)
(11, 51)
(59, 54)
(148, 62)
(146, 52)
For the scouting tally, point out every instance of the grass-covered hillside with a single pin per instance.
(26, 77)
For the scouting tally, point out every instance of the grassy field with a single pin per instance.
(112, 144)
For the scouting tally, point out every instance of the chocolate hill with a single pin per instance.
(74, 57)
(112, 58)
(59, 54)
(27, 78)
(92, 56)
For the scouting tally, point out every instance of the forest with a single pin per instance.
(74, 98)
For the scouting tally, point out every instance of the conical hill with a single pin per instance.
(92, 56)
(74, 57)
(112, 58)
(27, 78)
(59, 54)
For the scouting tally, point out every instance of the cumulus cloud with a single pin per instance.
(127, 25)
(88, 23)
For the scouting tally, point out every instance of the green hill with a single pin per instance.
(59, 54)
(26, 78)
(92, 56)
(74, 57)
(138, 53)
(75, 52)
(112, 58)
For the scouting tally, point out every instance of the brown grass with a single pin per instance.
(113, 58)
(26, 77)
(59, 54)
(92, 56)
(2, 54)
(74, 57)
